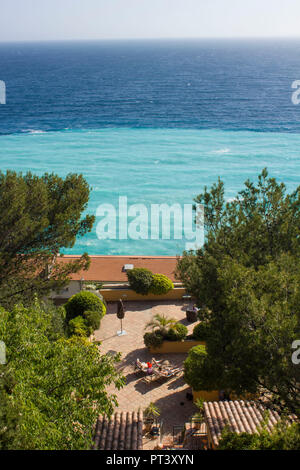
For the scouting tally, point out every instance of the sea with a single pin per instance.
(151, 121)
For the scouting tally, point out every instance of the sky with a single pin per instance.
(42, 20)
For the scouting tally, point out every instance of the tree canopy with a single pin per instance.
(282, 437)
(39, 216)
(246, 278)
(52, 388)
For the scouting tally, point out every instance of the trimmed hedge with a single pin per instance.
(192, 365)
(81, 302)
(200, 331)
(177, 333)
(154, 339)
(140, 280)
(92, 319)
(160, 285)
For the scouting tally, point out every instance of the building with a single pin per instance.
(124, 431)
(111, 272)
(239, 416)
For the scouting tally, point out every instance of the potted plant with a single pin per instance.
(192, 314)
(161, 323)
(151, 413)
(198, 417)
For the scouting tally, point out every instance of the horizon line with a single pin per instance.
(133, 39)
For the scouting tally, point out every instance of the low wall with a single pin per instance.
(205, 395)
(175, 347)
(114, 294)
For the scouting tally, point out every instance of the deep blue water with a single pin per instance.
(154, 121)
(231, 85)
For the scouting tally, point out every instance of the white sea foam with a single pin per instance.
(219, 152)
(34, 131)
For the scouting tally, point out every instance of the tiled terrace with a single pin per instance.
(170, 396)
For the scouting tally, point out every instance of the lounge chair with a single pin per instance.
(155, 362)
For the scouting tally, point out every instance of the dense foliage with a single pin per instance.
(160, 285)
(93, 319)
(144, 282)
(52, 388)
(198, 377)
(201, 331)
(247, 276)
(78, 327)
(282, 437)
(153, 339)
(84, 301)
(39, 215)
(140, 280)
(161, 323)
(164, 328)
(177, 333)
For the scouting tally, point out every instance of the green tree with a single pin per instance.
(199, 371)
(283, 436)
(247, 277)
(39, 217)
(52, 389)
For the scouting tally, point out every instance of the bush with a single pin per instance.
(154, 339)
(140, 280)
(192, 366)
(92, 319)
(77, 326)
(177, 333)
(81, 302)
(161, 284)
(200, 331)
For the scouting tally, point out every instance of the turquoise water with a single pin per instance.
(152, 166)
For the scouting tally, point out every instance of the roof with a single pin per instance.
(239, 416)
(124, 431)
(109, 268)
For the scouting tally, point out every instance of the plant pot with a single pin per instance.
(148, 424)
(191, 316)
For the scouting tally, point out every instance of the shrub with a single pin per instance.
(140, 280)
(152, 411)
(77, 326)
(161, 284)
(92, 319)
(192, 365)
(161, 323)
(154, 339)
(200, 331)
(177, 333)
(81, 302)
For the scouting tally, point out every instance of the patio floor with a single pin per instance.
(170, 396)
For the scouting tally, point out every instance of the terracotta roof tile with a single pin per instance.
(124, 431)
(240, 416)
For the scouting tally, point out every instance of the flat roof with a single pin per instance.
(109, 268)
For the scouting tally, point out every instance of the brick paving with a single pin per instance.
(169, 396)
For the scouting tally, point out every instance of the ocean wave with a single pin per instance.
(221, 151)
(33, 131)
